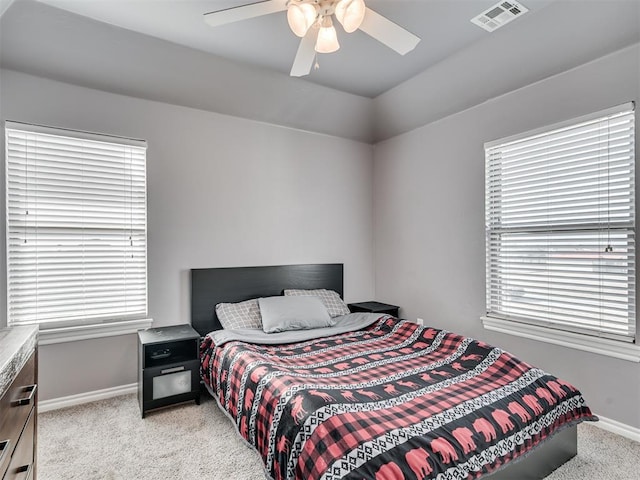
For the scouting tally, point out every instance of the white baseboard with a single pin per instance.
(80, 398)
(618, 428)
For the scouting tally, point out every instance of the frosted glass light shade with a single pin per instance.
(350, 14)
(301, 17)
(327, 40)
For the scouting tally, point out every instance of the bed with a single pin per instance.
(375, 397)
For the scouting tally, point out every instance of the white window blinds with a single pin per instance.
(560, 226)
(76, 227)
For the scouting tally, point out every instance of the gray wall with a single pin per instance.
(222, 191)
(42, 40)
(429, 218)
(508, 59)
(225, 191)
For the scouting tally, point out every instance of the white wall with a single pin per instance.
(222, 191)
(429, 219)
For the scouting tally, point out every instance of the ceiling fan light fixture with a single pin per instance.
(313, 21)
(327, 37)
(300, 17)
(350, 13)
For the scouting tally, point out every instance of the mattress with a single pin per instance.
(387, 400)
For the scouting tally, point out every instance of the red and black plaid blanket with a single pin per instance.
(392, 401)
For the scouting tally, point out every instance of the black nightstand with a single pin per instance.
(168, 366)
(374, 307)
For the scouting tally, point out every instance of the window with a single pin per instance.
(560, 226)
(76, 228)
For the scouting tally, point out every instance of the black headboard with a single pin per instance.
(210, 286)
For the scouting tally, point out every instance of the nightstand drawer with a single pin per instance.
(171, 380)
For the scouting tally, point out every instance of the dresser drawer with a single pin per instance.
(6, 447)
(22, 461)
(16, 404)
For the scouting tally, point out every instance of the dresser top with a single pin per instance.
(16, 346)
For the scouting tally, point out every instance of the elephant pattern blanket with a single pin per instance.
(394, 400)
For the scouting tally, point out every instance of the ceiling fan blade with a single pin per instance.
(244, 12)
(389, 33)
(306, 54)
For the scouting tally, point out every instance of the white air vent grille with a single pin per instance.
(498, 15)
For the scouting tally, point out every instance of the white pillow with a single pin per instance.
(331, 299)
(280, 314)
(239, 315)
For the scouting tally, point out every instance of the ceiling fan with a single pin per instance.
(312, 20)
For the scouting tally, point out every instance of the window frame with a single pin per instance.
(78, 328)
(591, 342)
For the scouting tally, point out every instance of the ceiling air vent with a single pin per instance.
(498, 15)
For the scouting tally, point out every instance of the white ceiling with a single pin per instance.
(362, 66)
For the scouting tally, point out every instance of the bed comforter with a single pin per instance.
(394, 400)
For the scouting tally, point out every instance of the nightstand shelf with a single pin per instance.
(375, 307)
(168, 367)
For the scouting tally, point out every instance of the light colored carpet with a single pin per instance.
(108, 440)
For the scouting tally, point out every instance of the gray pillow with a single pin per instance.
(280, 314)
(239, 315)
(331, 299)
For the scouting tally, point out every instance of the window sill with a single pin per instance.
(86, 332)
(586, 343)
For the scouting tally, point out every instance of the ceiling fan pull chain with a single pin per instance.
(316, 66)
